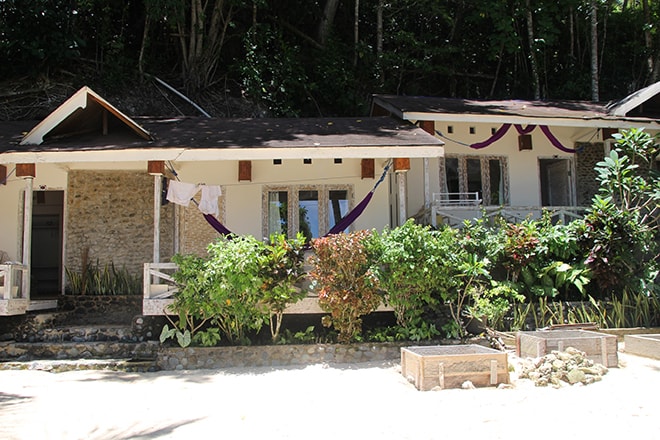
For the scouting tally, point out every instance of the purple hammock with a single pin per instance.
(341, 225)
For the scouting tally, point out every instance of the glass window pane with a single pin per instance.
(308, 210)
(277, 212)
(496, 183)
(337, 206)
(451, 170)
(474, 176)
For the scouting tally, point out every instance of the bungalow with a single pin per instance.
(514, 157)
(89, 184)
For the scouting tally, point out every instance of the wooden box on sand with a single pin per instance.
(599, 347)
(449, 366)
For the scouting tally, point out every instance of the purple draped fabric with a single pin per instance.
(554, 141)
(494, 138)
(523, 130)
(527, 130)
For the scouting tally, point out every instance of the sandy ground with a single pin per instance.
(361, 401)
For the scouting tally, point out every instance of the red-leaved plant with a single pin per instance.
(346, 286)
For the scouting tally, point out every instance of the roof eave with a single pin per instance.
(219, 154)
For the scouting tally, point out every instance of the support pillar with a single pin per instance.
(158, 189)
(402, 186)
(27, 237)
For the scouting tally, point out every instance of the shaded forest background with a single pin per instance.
(237, 58)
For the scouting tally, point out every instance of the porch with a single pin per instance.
(15, 293)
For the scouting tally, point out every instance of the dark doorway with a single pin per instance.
(46, 257)
(556, 183)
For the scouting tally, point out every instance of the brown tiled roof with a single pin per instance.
(198, 132)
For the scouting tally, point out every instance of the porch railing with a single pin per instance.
(13, 299)
(455, 215)
(158, 287)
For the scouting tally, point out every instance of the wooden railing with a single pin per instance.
(13, 299)
(158, 288)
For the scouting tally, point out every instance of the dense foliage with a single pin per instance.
(289, 57)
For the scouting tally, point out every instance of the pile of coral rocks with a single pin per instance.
(561, 368)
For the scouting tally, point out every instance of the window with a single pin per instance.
(486, 175)
(312, 209)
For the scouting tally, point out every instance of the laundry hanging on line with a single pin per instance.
(182, 193)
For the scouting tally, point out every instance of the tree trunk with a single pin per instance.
(379, 41)
(356, 33)
(532, 53)
(648, 39)
(595, 97)
(325, 25)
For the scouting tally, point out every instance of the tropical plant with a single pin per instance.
(347, 287)
(620, 230)
(407, 261)
(281, 268)
(222, 291)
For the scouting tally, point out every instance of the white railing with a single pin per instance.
(453, 209)
(158, 287)
(13, 299)
(456, 199)
(158, 281)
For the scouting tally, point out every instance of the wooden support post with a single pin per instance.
(156, 167)
(27, 235)
(402, 184)
(26, 170)
(401, 165)
(158, 189)
(441, 375)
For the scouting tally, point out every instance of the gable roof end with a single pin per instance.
(634, 100)
(79, 101)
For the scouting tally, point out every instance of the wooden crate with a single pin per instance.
(643, 345)
(448, 366)
(599, 347)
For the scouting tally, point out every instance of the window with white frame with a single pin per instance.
(485, 175)
(310, 209)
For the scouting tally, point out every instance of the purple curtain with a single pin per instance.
(527, 130)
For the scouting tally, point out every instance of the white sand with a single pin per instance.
(361, 401)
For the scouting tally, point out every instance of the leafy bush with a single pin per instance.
(407, 262)
(281, 269)
(348, 289)
(223, 291)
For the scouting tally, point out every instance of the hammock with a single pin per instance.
(341, 225)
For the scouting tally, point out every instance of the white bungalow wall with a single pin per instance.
(523, 166)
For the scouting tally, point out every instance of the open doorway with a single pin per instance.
(556, 182)
(46, 253)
